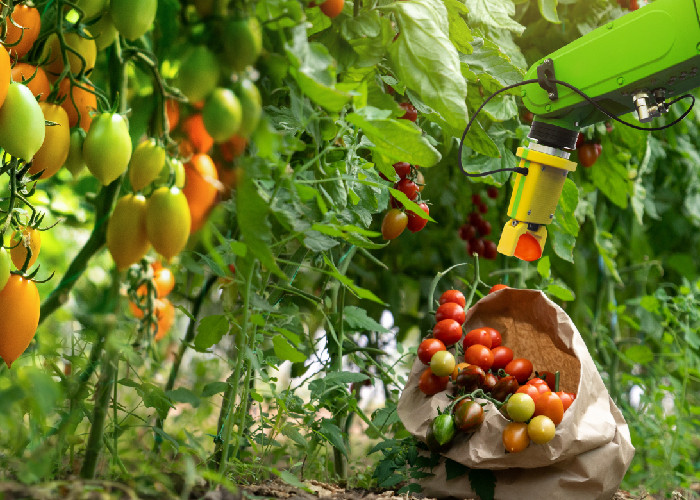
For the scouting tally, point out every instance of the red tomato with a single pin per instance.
(498, 287)
(477, 336)
(549, 404)
(469, 415)
(469, 377)
(537, 382)
(520, 368)
(402, 169)
(475, 218)
(408, 187)
(410, 111)
(484, 227)
(428, 347)
(579, 140)
(492, 192)
(495, 336)
(566, 399)
(431, 384)
(448, 331)
(416, 222)
(479, 355)
(528, 248)
(490, 381)
(550, 378)
(502, 355)
(467, 232)
(450, 310)
(476, 246)
(490, 250)
(476, 199)
(588, 154)
(453, 296)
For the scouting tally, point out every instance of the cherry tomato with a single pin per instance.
(549, 378)
(479, 355)
(431, 384)
(484, 227)
(443, 428)
(468, 415)
(145, 164)
(408, 187)
(515, 438)
(490, 381)
(541, 429)
(196, 132)
(498, 287)
(332, 8)
(476, 246)
(39, 84)
(74, 163)
(54, 151)
(415, 222)
(164, 280)
(165, 314)
(442, 363)
(168, 221)
(495, 336)
(107, 147)
(531, 390)
(233, 148)
(454, 296)
(393, 224)
(127, 240)
(198, 74)
(528, 248)
(476, 199)
(549, 404)
(85, 103)
(242, 41)
(477, 336)
(566, 399)
(172, 109)
(22, 243)
(520, 407)
(580, 139)
(448, 331)
(538, 382)
(26, 33)
(475, 218)
(19, 310)
(201, 179)
(588, 154)
(410, 112)
(403, 169)
(86, 47)
(490, 250)
(502, 355)
(483, 209)
(22, 125)
(251, 107)
(527, 117)
(450, 310)
(469, 377)
(133, 18)
(492, 192)
(467, 232)
(634, 5)
(520, 368)
(104, 31)
(458, 368)
(428, 347)
(504, 387)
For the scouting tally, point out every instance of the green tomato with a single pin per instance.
(104, 31)
(133, 18)
(242, 41)
(443, 428)
(541, 429)
(222, 114)
(146, 163)
(520, 407)
(251, 105)
(4, 267)
(442, 363)
(22, 126)
(198, 74)
(90, 8)
(175, 167)
(107, 147)
(74, 163)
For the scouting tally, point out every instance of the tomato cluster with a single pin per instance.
(149, 300)
(411, 183)
(476, 228)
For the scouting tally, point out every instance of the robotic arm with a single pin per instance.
(634, 63)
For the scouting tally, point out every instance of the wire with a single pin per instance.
(523, 171)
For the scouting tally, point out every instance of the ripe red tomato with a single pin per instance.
(484, 227)
(408, 187)
(453, 296)
(469, 415)
(479, 355)
(528, 248)
(402, 169)
(452, 311)
(428, 347)
(476, 199)
(588, 154)
(579, 140)
(431, 384)
(332, 8)
(633, 5)
(527, 117)
(533, 391)
(566, 399)
(498, 287)
(467, 232)
(416, 222)
(483, 209)
(410, 111)
(502, 355)
(395, 221)
(490, 250)
(550, 378)
(492, 192)
(480, 336)
(515, 437)
(549, 404)
(475, 218)
(495, 336)
(476, 246)
(520, 368)
(448, 331)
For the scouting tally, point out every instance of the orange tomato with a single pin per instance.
(172, 109)
(54, 151)
(29, 19)
(498, 287)
(39, 84)
(233, 148)
(19, 310)
(332, 8)
(163, 279)
(84, 100)
(201, 188)
(193, 126)
(86, 47)
(5, 72)
(28, 239)
(164, 313)
(228, 176)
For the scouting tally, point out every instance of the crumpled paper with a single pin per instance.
(591, 450)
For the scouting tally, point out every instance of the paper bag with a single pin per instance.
(591, 450)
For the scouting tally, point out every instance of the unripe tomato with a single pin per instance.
(133, 18)
(430, 384)
(4, 267)
(520, 407)
(168, 221)
(104, 31)
(197, 133)
(427, 348)
(85, 102)
(453, 296)
(416, 222)
(550, 405)
(19, 310)
(39, 84)
(90, 8)
(74, 163)
(86, 47)
(173, 167)
(450, 310)
(469, 415)
(443, 428)
(22, 243)
(222, 114)
(448, 331)
(107, 147)
(145, 164)
(393, 224)
(242, 41)
(126, 231)
(201, 180)
(442, 363)
(198, 74)
(251, 107)
(515, 437)
(520, 368)
(477, 336)
(541, 429)
(30, 21)
(21, 123)
(479, 355)
(54, 151)
(502, 355)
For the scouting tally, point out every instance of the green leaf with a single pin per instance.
(286, 351)
(332, 433)
(610, 176)
(639, 354)
(548, 9)
(360, 292)
(560, 291)
(460, 34)
(291, 479)
(210, 331)
(167, 437)
(562, 243)
(342, 378)
(495, 13)
(356, 317)
(568, 202)
(154, 397)
(214, 388)
(490, 65)
(483, 482)
(544, 267)
(184, 395)
(317, 242)
(454, 469)
(293, 433)
(410, 205)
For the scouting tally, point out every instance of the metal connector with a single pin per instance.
(646, 111)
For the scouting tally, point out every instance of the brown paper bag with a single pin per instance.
(591, 450)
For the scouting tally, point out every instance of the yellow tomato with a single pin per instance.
(168, 221)
(126, 232)
(54, 151)
(28, 240)
(19, 310)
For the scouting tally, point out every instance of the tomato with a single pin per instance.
(172, 110)
(107, 147)
(78, 103)
(490, 381)
(515, 437)
(430, 384)
(242, 42)
(420, 180)
(502, 355)
(448, 331)
(222, 114)
(538, 382)
(531, 390)
(467, 232)
(198, 74)
(476, 199)
(393, 224)
(39, 83)
(54, 151)
(228, 176)
(634, 5)
(549, 378)
(520, 368)
(477, 336)
(251, 107)
(408, 187)
(479, 355)
(580, 139)
(167, 221)
(454, 296)
(19, 310)
(490, 250)
(476, 246)
(86, 47)
(468, 415)
(194, 127)
(483, 209)
(549, 404)
(415, 221)
(403, 169)
(25, 36)
(492, 192)
(22, 125)
(233, 148)
(145, 164)
(133, 18)
(520, 407)
(29, 240)
(127, 240)
(528, 248)
(469, 377)
(5, 260)
(541, 429)
(450, 310)
(173, 167)
(410, 112)
(588, 154)
(201, 180)
(498, 287)
(504, 387)
(90, 8)
(475, 219)
(442, 363)
(432, 443)
(74, 163)
(332, 8)
(428, 347)
(104, 31)
(566, 399)
(484, 227)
